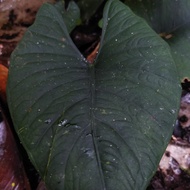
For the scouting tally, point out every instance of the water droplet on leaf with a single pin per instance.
(48, 121)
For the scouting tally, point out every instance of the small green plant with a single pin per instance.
(99, 126)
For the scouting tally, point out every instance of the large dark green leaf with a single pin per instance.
(173, 18)
(93, 126)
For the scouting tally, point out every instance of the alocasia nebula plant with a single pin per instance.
(99, 126)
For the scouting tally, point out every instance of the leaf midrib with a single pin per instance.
(92, 122)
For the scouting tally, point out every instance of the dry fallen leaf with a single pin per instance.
(3, 82)
(12, 173)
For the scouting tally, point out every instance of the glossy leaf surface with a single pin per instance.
(94, 126)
